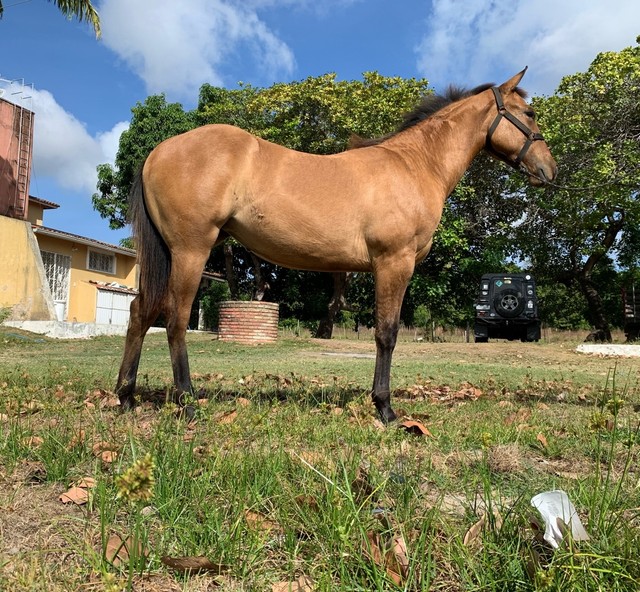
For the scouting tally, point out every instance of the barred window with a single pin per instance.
(104, 262)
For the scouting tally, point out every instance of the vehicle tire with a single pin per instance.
(508, 303)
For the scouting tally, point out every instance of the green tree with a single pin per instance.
(83, 10)
(592, 125)
(152, 122)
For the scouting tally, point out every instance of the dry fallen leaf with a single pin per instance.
(33, 442)
(395, 560)
(105, 451)
(194, 565)
(259, 521)
(302, 584)
(118, 551)
(75, 495)
(543, 440)
(228, 417)
(85, 483)
(307, 501)
(473, 534)
(415, 427)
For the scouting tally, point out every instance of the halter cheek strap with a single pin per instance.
(530, 135)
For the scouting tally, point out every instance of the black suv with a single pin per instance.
(507, 308)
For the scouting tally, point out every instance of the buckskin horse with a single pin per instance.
(373, 208)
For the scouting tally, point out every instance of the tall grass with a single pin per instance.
(287, 474)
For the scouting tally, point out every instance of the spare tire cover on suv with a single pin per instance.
(508, 303)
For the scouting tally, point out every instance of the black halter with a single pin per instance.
(530, 135)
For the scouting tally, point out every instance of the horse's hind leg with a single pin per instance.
(140, 320)
(186, 273)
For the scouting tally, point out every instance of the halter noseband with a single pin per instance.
(530, 135)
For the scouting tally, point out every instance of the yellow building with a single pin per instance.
(85, 281)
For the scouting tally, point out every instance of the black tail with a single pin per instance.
(154, 258)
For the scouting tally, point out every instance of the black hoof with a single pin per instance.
(127, 403)
(188, 413)
(387, 415)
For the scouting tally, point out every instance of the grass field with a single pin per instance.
(286, 480)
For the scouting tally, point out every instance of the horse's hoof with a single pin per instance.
(387, 415)
(127, 403)
(188, 413)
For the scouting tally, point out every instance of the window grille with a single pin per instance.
(102, 262)
(57, 268)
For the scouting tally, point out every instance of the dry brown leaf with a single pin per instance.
(473, 534)
(302, 584)
(33, 442)
(259, 521)
(397, 560)
(78, 438)
(85, 483)
(307, 501)
(242, 402)
(543, 440)
(373, 551)
(519, 417)
(110, 402)
(108, 456)
(228, 417)
(75, 495)
(118, 551)
(194, 565)
(416, 428)
(100, 447)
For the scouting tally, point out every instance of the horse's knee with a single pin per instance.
(386, 336)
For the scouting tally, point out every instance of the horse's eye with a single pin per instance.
(530, 114)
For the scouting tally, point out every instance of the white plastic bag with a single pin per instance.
(554, 505)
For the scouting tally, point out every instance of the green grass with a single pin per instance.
(285, 471)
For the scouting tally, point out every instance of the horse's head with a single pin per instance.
(514, 136)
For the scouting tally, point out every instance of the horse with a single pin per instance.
(373, 208)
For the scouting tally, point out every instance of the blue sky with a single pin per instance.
(82, 89)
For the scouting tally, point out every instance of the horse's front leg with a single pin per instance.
(392, 276)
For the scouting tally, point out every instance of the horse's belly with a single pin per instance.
(298, 248)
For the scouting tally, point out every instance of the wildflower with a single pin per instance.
(614, 405)
(136, 483)
(487, 439)
(598, 421)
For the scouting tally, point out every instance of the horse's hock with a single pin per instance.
(248, 322)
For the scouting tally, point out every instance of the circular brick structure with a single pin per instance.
(248, 321)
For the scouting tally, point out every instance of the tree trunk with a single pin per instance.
(229, 271)
(602, 330)
(261, 285)
(336, 304)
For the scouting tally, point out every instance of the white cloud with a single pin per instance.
(489, 39)
(177, 46)
(62, 147)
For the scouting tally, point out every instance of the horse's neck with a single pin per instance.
(450, 140)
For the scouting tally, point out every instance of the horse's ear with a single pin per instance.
(511, 84)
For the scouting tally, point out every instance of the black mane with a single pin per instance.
(429, 105)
